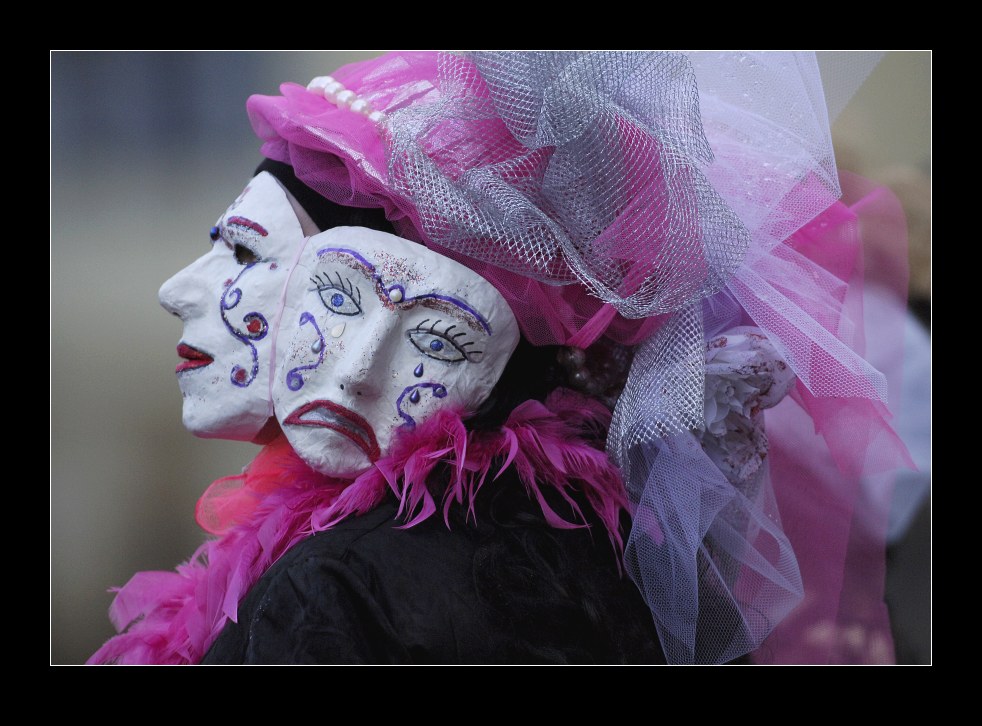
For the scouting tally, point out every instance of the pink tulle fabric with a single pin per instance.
(822, 448)
(232, 499)
(174, 617)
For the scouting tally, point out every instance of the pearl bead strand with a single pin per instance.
(343, 97)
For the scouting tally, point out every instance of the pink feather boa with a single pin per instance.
(174, 617)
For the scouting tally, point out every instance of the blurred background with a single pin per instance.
(147, 150)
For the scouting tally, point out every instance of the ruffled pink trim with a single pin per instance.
(174, 617)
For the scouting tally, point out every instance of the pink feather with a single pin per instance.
(173, 617)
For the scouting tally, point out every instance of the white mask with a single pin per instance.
(228, 300)
(378, 333)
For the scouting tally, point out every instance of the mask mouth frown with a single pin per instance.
(193, 358)
(330, 415)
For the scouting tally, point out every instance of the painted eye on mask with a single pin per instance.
(441, 344)
(244, 256)
(339, 297)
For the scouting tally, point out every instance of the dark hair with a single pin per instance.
(531, 373)
(325, 214)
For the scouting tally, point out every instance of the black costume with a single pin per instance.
(510, 589)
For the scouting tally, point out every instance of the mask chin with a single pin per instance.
(332, 455)
(237, 430)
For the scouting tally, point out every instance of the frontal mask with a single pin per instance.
(228, 300)
(378, 333)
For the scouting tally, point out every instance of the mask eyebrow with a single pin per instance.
(457, 303)
(427, 299)
(246, 224)
(350, 253)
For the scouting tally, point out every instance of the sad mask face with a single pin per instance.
(378, 333)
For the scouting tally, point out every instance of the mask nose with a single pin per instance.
(180, 295)
(366, 363)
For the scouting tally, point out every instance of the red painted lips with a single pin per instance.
(193, 358)
(330, 415)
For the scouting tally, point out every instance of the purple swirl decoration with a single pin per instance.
(294, 380)
(439, 391)
(256, 328)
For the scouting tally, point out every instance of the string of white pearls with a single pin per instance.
(343, 97)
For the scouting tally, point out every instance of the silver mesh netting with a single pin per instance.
(572, 167)
(706, 547)
(710, 558)
(664, 392)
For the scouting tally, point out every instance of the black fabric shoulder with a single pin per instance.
(507, 588)
(310, 607)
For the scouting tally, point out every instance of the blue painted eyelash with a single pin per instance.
(436, 344)
(343, 285)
